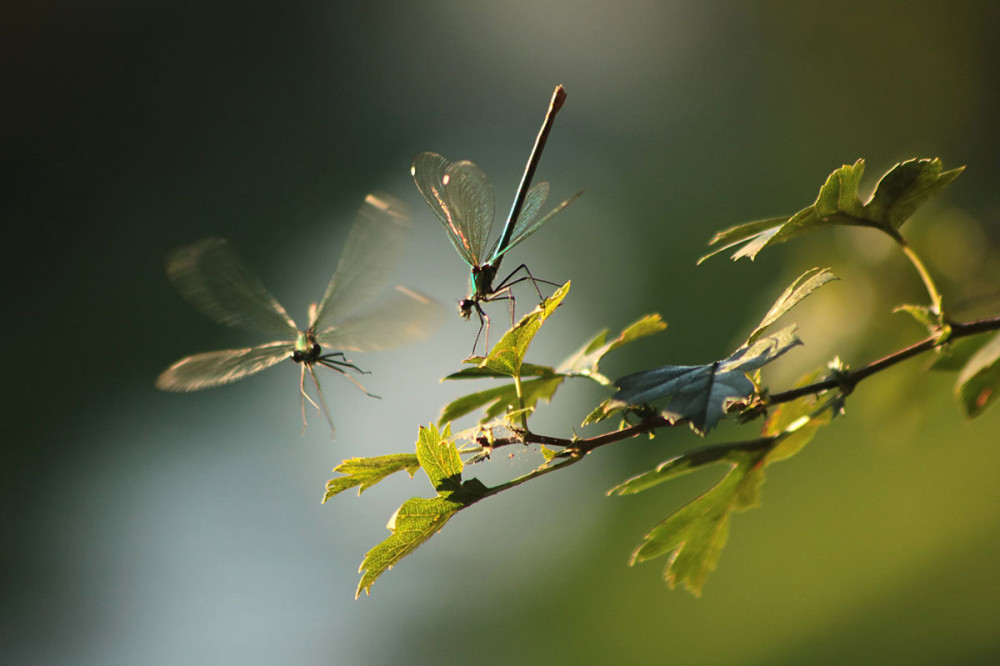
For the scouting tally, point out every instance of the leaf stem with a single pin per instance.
(520, 400)
(937, 306)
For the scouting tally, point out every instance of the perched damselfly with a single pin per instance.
(462, 197)
(213, 278)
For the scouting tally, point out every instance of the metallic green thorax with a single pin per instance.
(481, 289)
(481, 280)
(307, 350)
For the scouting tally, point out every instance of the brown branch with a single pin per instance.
(846, 381)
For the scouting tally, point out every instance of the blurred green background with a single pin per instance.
(143, 527)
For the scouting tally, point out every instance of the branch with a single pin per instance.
(848, 380)
(576, 448)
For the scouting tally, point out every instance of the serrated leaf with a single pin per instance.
(899, 193)
(695, 534)
(527, 370)
(795, 423)
(840, 189)
(701, 393)
(416, 521)
(803, 285)
(585, 361)
(688, 462)
(979, 381)
(755, 234)
(507, 355)
(924, 316)
(547, 453)
(603, 411)
(497, 400)
(364, 473)
(439, 458)
(906, 187)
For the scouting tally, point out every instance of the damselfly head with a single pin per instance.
(308, 355)
(465, 306)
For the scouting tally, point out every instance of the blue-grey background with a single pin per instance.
(144, 527)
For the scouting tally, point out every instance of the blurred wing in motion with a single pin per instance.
(401, 317)
(213, 278)
(221, 367)
(374, 246)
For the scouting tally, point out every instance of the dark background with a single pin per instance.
(142, 527)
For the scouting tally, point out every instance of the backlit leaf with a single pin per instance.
(695, 534)
(899, 193)
(364, 473)
(507, 355)
(498, 400)
(584, 361)
(803, 285)
(416, 521)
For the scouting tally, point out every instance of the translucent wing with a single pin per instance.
(213, 278)
(372, 250)
(221, 367)
(462, 198)
(403, 316)
(533, 201)
(526, 224)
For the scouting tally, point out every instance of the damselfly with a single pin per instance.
(462, 197)
(213, 278)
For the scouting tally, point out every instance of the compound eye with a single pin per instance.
(315, 349)
(297, 356)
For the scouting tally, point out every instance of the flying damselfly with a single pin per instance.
(213, 278)
(461, 196)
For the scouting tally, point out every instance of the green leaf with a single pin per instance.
(702, 393)
(905, 188)
(804, 285)
(507, 355)
(548, 454)
(839, 194)
(603, 411)
(527, 370)
(695, 534)
(584, 362)
(416, 521)
(954, 355)
(899, 193)
(756, 234)
(498, 400)
(925, 316)
(689, 462)
(439, 458)
(979, 381)
(795, 423)
(366, 472)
